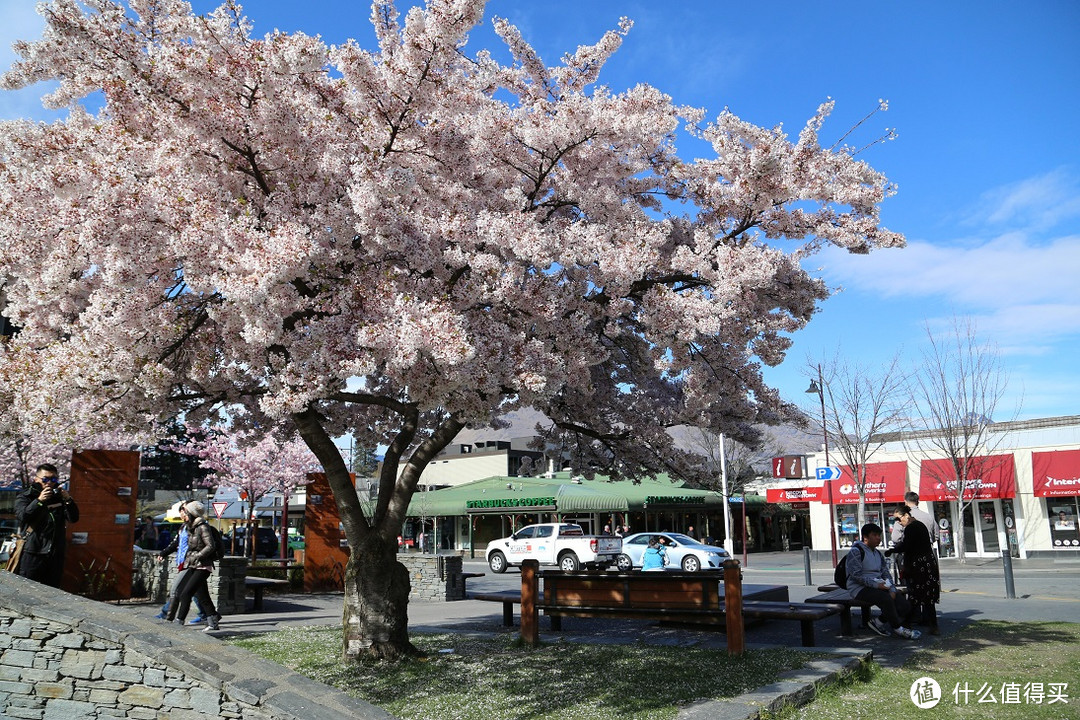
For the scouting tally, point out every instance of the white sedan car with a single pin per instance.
(683, 552)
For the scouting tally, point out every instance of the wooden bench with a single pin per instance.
(689, 598)
(839, 597)
(510, 598)
(258, 585)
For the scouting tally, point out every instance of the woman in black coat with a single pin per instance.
(921, 574)
(199, 563)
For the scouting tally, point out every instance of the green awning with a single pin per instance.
(561, 493)
(572, 498)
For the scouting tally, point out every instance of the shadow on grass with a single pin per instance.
(487, 678)
(988, 634)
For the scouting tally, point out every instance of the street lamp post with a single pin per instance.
(819, 388)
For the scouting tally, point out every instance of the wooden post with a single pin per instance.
(736, 641)
(530, 616)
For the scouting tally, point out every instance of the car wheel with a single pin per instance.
(569, 562)
(691, 564)
(497, 562)
(624, 563)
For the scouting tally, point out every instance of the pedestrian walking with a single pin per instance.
(179, 545)
(199, 563)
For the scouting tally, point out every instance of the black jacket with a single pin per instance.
(47, 523)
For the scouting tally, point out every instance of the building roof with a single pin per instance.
(562, 493)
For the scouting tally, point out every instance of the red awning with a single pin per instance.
(792, 495)
(885, 483)
(989, 477)
(1057, 473)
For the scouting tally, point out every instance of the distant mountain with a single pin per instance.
(779, 440)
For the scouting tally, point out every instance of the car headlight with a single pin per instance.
(715, 555)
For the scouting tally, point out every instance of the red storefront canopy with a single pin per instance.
(989, 477)
(1057, 473)
(885, 483)
(792, 495)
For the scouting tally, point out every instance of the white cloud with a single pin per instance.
(1007, 271)
(1036, 203)
(1021, 285)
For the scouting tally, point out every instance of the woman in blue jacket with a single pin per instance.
(655, 556)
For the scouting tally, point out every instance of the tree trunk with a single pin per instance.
(376, 617)
(958, 528)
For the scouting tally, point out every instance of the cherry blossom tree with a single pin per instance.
(399, 242)
(253, 463)
(22, 450)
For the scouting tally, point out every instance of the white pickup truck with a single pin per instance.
(559, 544)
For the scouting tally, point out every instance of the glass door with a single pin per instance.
(988, 516)
(982, 521)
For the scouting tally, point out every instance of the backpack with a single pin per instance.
(840, 573)
(219, 544)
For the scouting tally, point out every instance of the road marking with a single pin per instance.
(1022, 597)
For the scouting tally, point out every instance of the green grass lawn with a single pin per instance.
(466, 678)
(1012, 663)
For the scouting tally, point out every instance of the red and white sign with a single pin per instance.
(792, 495)
(789, 466)
(219, 507)
(885, 483)
(1056, 474)
(989, 477)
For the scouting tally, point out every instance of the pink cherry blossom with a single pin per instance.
(398, 243)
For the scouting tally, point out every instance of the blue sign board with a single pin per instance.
(829, 472)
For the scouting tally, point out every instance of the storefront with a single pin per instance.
(790, 515)
(466, 517)
(988, 517)
(884, 486)
(1056, 479)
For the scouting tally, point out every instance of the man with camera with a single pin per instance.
(43, 511)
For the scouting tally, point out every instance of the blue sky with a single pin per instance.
(985, 98)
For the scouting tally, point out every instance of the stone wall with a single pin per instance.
(434, 577)
(63, 657)
(149, 578)
(153, 580)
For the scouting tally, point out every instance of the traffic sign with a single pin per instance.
(219, 507)
(829, 472)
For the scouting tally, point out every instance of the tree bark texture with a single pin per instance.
(375, 617)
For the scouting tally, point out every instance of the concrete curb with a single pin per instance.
(795, 688)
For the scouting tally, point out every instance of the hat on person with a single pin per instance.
(195, 509)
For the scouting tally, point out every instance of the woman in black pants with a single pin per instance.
(921, 574)
(199, 564)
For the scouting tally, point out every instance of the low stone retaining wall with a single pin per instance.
(63, 657)
(153, 580)
(434, 577)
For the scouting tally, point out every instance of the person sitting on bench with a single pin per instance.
(868, 580)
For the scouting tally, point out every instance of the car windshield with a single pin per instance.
(683, 539)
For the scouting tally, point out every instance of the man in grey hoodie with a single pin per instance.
(868, 580)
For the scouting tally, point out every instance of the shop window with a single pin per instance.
(1064, 532)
